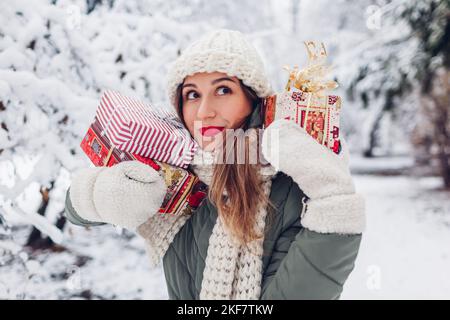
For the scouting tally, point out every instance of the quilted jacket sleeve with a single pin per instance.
(306, 264)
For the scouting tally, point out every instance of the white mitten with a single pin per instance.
(126, 194)
(333, 205)
(82, 191)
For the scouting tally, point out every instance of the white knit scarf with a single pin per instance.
(231, 271)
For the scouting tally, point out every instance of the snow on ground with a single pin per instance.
(405, 253)
(360, 164)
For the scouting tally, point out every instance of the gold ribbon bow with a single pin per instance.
(312, 78)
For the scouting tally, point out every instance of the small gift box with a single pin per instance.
(184, 190)
(141, 129)
(304, 101)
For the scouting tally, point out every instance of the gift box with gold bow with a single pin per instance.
(306, 101)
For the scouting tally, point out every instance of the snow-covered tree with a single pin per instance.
(430, 21)
(403, 72)
(54, 62)
(56, 57)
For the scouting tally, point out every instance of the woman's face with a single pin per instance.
(213, 102)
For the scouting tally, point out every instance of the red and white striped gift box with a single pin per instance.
(145, 130)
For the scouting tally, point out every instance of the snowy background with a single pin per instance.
(391, 59)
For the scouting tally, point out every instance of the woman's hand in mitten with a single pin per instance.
(126, 194)
(333, 205)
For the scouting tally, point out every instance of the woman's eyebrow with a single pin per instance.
(188, 85)
(222, 79)
(212, 82)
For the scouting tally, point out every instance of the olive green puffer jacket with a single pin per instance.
(297, 263)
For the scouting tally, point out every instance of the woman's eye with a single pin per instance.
(223, 90)
(191, 95)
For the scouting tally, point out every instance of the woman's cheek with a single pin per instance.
(239, 114)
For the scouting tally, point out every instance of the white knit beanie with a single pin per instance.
(222, 50)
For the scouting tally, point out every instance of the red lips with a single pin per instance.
(211, 130)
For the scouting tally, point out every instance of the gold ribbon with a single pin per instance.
(312, 78)
(108, 156)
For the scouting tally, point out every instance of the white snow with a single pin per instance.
(378, 164)
(405, 251)
(54, 62)
(116, 267)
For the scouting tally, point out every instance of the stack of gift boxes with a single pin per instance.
(127, 129)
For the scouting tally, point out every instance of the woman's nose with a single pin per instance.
(206, 109)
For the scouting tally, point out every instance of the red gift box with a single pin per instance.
(144, 130)
(321, 114)
(185, 191)
(306, 102)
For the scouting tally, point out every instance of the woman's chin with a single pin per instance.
(209, 143)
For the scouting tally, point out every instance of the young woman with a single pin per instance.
(287, 226)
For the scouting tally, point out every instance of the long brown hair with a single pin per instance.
(240, 181)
